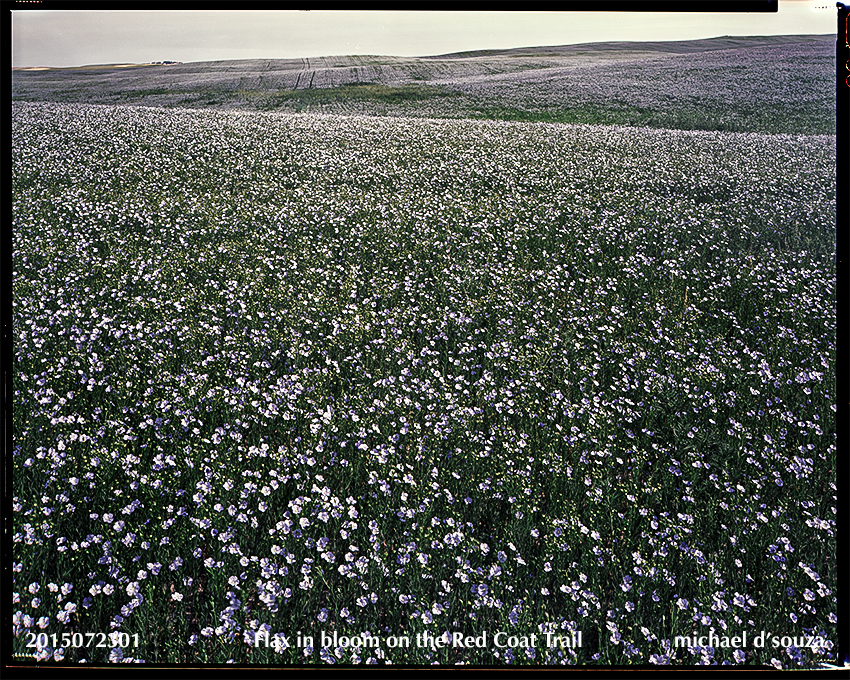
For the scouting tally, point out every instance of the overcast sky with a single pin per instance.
(76, 38)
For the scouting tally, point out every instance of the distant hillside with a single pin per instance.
(677, 46)
(780, 84)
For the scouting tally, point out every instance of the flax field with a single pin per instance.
(303, 374)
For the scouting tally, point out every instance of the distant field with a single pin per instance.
(307, 374)
(778, 84)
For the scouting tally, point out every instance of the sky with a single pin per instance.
(60, 38)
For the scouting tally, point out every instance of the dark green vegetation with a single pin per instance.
(776, 84)
(354, 92)
(734, 119)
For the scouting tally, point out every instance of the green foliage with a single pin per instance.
(355, 92)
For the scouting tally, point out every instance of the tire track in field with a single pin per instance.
(306, 67)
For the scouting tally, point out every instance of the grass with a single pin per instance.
(354, 93)
(729, 119)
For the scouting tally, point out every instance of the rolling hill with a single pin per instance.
(779, 84)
